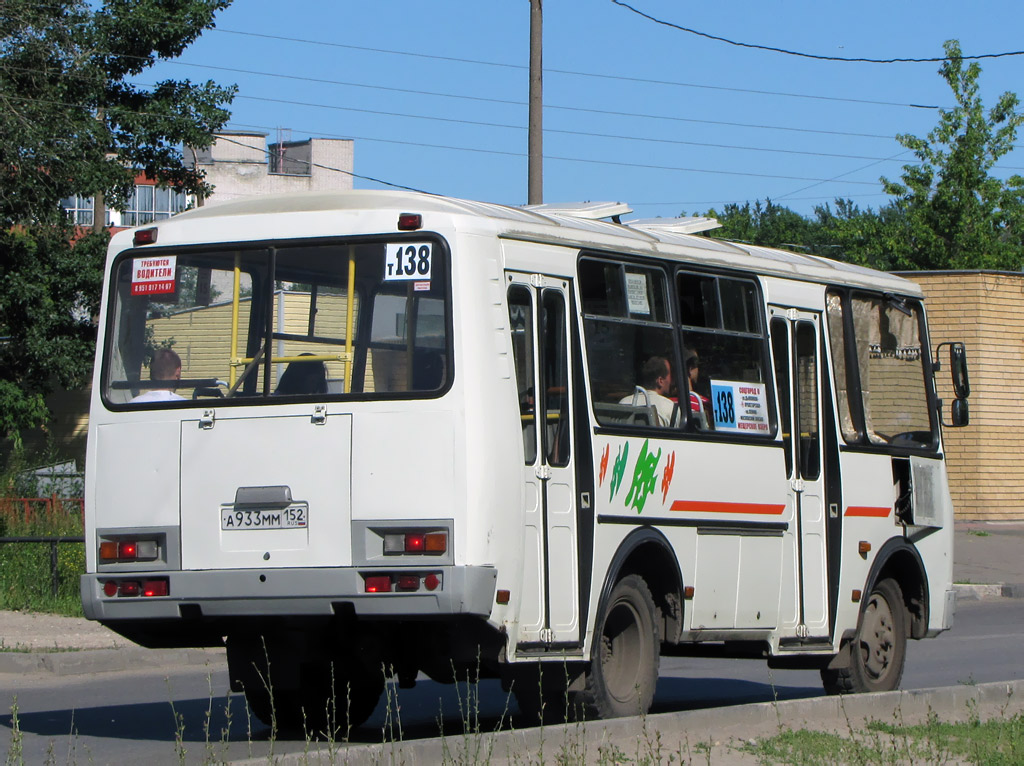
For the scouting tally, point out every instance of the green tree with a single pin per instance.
(953, 214)
(766, 224)
(73, 123)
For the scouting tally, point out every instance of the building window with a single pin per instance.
(79, 210)
(152, 203)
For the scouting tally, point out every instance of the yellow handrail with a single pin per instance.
(350, 300)
(234, 320)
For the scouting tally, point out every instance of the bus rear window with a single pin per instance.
(303, 320)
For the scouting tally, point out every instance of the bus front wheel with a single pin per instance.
(879, 648)
(624, 657)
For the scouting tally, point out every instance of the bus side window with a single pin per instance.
(631, 348)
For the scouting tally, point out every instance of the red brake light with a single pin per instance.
(415, 543)
(128, 588)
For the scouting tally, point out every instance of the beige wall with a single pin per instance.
(985, 310)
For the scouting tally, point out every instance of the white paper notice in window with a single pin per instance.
(636, 293)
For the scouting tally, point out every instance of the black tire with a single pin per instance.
(330, 698)
(624, 657)
(879, 648)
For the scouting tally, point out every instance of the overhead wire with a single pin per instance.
(815, 56)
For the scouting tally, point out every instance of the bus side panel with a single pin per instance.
(868, 498)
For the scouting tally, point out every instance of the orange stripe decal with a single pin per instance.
(868, 510)
(708, 506)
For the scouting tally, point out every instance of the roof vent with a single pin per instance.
(593, 211)
(687, 225)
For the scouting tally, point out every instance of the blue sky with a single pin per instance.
(434, 92)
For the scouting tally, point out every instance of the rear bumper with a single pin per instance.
(464, 590)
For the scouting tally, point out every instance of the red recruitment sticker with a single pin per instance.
(153, 276)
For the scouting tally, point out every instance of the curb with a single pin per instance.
(984, 592)
(721, 730)
(105, 660)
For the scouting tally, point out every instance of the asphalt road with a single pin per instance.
(150, 716)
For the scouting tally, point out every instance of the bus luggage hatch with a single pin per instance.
(266, 492)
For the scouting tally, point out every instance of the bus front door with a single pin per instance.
(549, 609)
(796, 347)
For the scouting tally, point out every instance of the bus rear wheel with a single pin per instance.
(624, 657)
(329, 697)
(879, 648)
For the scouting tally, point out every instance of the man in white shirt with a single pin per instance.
(654, 389)
(164, 368)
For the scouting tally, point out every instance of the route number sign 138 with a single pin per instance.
(408, 261)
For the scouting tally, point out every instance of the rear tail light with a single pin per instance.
(429, 543)
(132, 588)
(112, 551)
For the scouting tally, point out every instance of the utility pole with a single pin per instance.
(535, 182)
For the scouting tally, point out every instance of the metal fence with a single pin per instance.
(28, 511)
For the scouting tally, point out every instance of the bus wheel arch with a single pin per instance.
(647, 553)
(900, 561)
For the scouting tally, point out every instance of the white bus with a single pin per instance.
(412, 434)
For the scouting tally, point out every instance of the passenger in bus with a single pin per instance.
(700, 405)
(303, 377)
(654, 390)
(164, 371)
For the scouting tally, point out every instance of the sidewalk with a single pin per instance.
(988, 562)
(988, 559)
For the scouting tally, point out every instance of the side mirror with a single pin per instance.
(961, 413)
(958, 370)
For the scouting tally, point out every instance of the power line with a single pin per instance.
(817, 57)
(613, 163)
(574, 73)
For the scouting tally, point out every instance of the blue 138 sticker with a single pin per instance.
(740, 407)
(723, 406)
(408, 261)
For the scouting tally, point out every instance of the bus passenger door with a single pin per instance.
(796, 344)
(549, 606)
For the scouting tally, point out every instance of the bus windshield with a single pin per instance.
(242, 323)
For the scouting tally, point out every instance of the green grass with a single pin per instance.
(26, 581)
(997, 742)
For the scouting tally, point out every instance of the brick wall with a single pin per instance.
(985, 310)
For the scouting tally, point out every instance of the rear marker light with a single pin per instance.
(409, 221)
(378, 584)
(503, 597)
(145, 237)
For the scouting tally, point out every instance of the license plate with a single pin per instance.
(292, 517)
